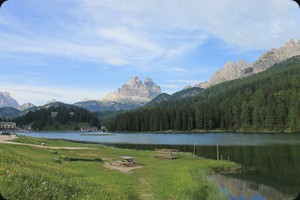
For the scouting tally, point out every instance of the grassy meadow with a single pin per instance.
(43, 174)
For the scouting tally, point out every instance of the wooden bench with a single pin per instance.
(166, 153)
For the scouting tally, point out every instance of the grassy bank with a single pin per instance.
(32, 173)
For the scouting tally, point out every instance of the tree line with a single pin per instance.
(267, 101)
(56, 116)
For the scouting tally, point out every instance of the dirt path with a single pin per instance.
(6, 139)
(145, 189)
(120, 168)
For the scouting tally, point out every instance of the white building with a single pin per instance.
(8, 125)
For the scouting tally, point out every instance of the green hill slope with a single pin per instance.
(8, 112)
(58, 117)
(190, 92)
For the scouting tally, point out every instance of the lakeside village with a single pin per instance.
(7, 127)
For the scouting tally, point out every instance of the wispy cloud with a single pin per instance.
(147, 37)
(145, 30)
(38, 92)
(127, 37)
(40, 95)
(171, 86)
(117, 61)
(186, 82)
(176, 70)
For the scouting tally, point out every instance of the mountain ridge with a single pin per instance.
(241, 69)
(265, 102)
(188, 92)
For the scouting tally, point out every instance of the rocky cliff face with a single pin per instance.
(7, 101)
(241, 69)
(135, 91)
(26, 106)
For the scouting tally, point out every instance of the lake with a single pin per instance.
(271, 162)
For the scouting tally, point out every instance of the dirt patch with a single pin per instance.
(7, 137)
(121, 168)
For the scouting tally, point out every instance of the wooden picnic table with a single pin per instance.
(127, 160)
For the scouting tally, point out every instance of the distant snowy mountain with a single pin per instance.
(7, 101)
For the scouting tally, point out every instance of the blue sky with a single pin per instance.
(71, 50)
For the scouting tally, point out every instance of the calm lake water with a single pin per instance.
(271, 162)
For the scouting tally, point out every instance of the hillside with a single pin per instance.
(189, 92)
(267, 101)
(8, 112)
(58, 117)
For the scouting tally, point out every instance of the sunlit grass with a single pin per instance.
(32, 173)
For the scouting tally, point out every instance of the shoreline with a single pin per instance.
(167, 132)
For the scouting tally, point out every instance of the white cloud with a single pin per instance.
(143, 31)
(185, 82)
(127, 37)
(171, 86)
(146, 36)
(180, 50)
(25, 93)
(117, 61)
(177, 70)
(248, 24)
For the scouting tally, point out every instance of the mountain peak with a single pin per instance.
(7, 101)
(290, 44)
(134, 81)
(6, 94)
(147, 79)
(135, 90)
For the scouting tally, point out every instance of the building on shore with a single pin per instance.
(89, 129)
(8, 125)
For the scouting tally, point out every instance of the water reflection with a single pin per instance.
(276, 166)
(238, 189)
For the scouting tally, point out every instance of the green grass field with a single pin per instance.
(42, 174)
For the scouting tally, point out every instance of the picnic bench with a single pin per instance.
(166, 153)
(127, 161)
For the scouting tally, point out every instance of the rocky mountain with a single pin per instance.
(26, 106)
(131, 95)
(7, 101)
(231, 70)
(135, 91)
